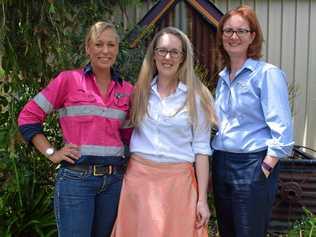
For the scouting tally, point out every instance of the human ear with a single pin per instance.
(253, 36)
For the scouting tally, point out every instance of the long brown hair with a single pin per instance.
(185, 74)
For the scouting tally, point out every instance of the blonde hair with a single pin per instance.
(97, 28)
(185, 74)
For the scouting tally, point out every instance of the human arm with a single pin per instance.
(126, 128)
(270, 162)
(202, 174)
(34, 113)
(277, 114)
(68, 153)
(202, 149)
(126, 132)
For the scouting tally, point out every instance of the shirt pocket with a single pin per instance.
(243, 87)
(81, 105)
(121, 101)
(81, 97)
(246, 96)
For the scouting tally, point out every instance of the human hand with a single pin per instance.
(202, 214)
(68, 153)
(268, 164)
(265, 172)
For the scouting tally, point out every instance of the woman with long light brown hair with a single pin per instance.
(162, 194)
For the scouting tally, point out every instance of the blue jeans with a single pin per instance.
(86, 205)
(243, 195)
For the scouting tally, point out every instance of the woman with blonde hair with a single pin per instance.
(93, 105)
(162, 193)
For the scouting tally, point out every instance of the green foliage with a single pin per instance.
(25, 178)
(212, 225)
(26, 202)
(38, 39)
(305, 227)
(203, 74)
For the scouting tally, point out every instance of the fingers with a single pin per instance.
(201, 221)
(69, 153)
(68, 159)
(265, 172)
(202, 215)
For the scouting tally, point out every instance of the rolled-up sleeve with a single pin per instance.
(201, 133)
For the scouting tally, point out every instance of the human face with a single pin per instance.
(168, 55)
(237, 44)
(103, 50)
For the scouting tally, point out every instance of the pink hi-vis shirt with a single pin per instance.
(97, 125)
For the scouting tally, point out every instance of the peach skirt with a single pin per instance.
(158, 200)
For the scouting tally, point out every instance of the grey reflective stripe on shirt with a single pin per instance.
(94, 150)
(127, 124)
(93, 110)
(42, 102)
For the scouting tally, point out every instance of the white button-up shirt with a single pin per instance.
(166, 134)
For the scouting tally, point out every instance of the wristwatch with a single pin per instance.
(267, 167)
(49, 151)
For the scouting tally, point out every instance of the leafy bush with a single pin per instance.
(39, 39)
(305, 227)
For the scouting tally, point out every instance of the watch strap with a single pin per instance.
(266, 166)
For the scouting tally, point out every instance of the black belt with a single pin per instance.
(97, 170)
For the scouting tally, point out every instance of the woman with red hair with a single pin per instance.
(255, 128)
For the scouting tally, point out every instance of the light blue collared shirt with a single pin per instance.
(253, 111)
(167, 134)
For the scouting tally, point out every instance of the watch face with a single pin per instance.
(50, 151)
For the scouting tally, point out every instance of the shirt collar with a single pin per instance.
(250, 64)
(114, 73)
(181, 85)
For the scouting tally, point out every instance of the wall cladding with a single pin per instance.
(288, 28)
(290, 36)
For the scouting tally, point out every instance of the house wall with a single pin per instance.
(202, 36)
(289, 28)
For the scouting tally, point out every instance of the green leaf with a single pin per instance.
(51, 9)
(2, 72)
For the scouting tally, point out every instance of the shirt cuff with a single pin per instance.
(202, 150)
(280, 152)
(28, 131)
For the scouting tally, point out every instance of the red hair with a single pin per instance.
(254, 50)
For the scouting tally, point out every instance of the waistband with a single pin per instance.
(99, 160)
(152, 163)
(96, 170)
(249, 155)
